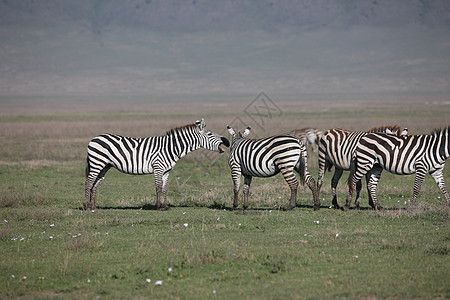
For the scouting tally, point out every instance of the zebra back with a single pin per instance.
(399, 154)
(307, 135)
(395, 130)
(337, 145)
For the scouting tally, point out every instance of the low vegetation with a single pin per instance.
(202, 249)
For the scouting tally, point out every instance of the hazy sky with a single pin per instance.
(188, 50)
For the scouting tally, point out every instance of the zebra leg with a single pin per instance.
(247, 182)
(93, 193)
(158, 184)
(87, 194)
(418, 180)
(421, 171)
(310, 182)
(357, 170)
(292, 181)
(368, 193)
(439, 178)
(305, 177)
(90, 188)
(237, 184)
(358, 191)
(165, 180)
(334, 182)
(321, 172)
(374, 176)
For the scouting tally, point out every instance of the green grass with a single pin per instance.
(52, 249)
(213, 252)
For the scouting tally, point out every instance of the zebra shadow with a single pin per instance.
(368, 208)
(223, 206)
(140, 207)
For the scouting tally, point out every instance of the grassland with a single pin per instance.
(200, 249)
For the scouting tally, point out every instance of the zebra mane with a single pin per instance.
(180, 128)
(395, 128)
(439, 131)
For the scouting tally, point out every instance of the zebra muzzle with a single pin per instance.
(225, 142)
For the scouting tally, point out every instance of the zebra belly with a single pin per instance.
(261, 171)
(397, 169)
(135, 168)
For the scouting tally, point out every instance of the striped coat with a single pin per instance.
(265, 158)
(308, 136)
(336, 148)
(138, 156)
(402, 155)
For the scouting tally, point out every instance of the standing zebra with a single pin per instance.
(402, 155)
(308, 136)
(138, 156)
(336, 148)
(267, 157)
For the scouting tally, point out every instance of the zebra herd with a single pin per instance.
(363, 153)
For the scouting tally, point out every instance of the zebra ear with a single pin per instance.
(200, 124)
(246, 131)
(230, 130)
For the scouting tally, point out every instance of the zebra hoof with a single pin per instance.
(89, 207)
(163, 208)
(316, 207)
(346, 208)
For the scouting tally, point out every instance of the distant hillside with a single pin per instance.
(230, 14)
(165, 49)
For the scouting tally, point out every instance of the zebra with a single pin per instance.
(138, 156)
(267, 157)
(308, 136)
(402, 155)
(336, 147)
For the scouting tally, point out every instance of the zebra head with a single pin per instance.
(394, 130)
(211, 140)
(236, 136)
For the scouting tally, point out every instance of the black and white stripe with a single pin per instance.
(265, 158)
(402, 155)
(308, 136)
(138, 156)
(336, 148)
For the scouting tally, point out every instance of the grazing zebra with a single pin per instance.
(148, 155)
(336, 148)
(308, 136)
(402, 155)
(267, 157)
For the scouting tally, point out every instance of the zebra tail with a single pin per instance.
(328, 166)
(88, 168)
(301, 169)
(353, 167)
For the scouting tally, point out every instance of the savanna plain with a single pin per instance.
(201, 248)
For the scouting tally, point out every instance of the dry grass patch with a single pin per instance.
(81, 242)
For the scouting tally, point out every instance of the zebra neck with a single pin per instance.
(182, 146)
(444, 149)
(186, 150)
